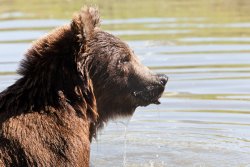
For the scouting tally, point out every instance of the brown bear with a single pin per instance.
(72, 81)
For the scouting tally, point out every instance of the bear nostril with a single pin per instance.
(163, 79)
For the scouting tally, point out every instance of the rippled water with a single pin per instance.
(204, 118)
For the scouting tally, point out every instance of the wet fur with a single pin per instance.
(72, 81)
(45, 115)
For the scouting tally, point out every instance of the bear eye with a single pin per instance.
(123, 60)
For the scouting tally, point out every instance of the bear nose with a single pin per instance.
(163, 79)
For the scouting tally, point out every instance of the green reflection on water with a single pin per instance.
(203, 66)
(7, 73)
(207, 96)
(222, 9)
(201, 18)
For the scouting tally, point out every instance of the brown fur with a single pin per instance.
(72, 81)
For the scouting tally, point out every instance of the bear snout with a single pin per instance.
(151, 93)
(163, 79)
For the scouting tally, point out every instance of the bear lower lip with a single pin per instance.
(148, 102)
(146, 98)
(157, 102)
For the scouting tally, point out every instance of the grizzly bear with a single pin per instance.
(72, 81)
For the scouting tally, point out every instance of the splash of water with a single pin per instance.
(125, 147)
(125, 123)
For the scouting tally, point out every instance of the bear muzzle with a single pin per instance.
(151, 93)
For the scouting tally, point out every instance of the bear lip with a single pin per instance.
(157, 102)
(149, 95)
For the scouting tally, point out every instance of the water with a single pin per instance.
(204, 118)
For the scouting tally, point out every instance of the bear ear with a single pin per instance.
(85, 22)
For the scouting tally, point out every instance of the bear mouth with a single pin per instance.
(149, 95)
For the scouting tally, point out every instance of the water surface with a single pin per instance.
(204, 118)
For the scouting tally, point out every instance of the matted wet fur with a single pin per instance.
(72, 81)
